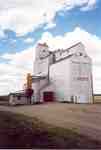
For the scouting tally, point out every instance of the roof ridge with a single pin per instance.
(67, 48)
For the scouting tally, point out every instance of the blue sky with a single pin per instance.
(25, 22)
(65, 22)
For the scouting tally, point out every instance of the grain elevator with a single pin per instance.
(63, 75)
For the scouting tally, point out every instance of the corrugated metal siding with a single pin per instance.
(72, 79)
(81, 81)
(60, 78)
(38, 86)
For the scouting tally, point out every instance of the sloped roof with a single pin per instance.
(64, 50)
(68, 47)
(61, 59)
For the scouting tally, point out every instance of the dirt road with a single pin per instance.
(85, 118)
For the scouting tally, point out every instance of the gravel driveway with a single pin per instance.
(84, 118)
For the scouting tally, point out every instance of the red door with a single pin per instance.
(48, 96)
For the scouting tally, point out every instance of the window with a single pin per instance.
(67, 51)
(80, 54)
(44, 50)
(61, 53)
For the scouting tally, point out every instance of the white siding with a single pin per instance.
(71, 79)
(81, 80)
(37, 87)
(60, 78)
(41, 66)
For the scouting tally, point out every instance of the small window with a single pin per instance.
(67, 51)
(61, 53)
(54, 58)
(81, 54)
(44, 50)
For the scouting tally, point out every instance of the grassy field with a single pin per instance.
(19, 131)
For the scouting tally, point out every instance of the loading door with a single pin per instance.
(48, 96)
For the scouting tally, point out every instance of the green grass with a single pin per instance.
(19, 131)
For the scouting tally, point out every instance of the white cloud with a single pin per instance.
(13, 73)
(23, 16)
(50, 25)
(29, 40)
(91, 4)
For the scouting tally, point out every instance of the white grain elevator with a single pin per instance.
(67, 73)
